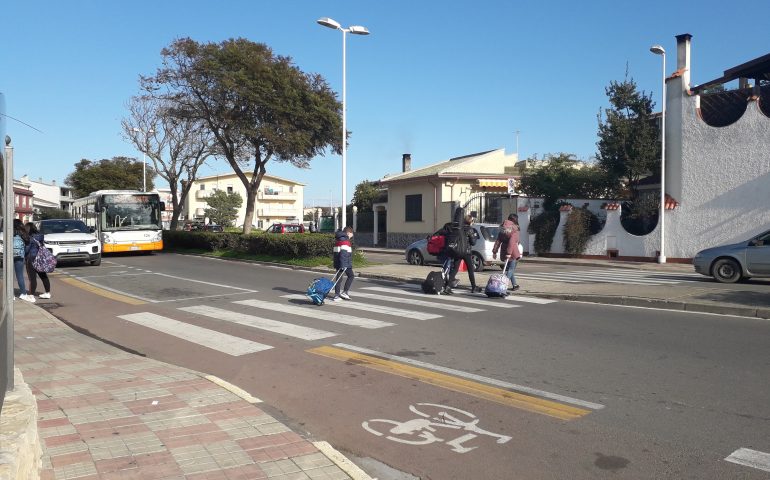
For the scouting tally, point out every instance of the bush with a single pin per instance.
(581, 224)
(302, 245)
(544, 227)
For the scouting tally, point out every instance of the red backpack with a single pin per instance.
(436, 244)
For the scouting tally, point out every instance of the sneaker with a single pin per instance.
(27, 298)
(345, 295)
(337, 298)
(448, 291)
(45, 295)
(515, 287)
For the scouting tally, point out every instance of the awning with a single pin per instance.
(493, 183)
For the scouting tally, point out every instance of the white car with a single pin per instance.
(71, 240)
(486, 233)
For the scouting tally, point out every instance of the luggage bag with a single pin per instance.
(435, 281)
(320, 287)
(498, 284)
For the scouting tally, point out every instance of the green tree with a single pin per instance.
(258, 105)
(119, 173)
(629, 136)
(47, 213)
(176, 147)
(564, 176)
(223, 207)
(365, 194)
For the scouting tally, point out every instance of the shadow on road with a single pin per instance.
(755, 299)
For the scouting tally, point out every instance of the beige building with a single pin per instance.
(278, 200)
(420, 201)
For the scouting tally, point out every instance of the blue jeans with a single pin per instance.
(509, 271)
(18, 268)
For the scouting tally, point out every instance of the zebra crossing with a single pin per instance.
(370, 300)
(612, 275)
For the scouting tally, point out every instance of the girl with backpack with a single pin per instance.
(36, 242)
(464, 238)
(20, 242)
(508, 244)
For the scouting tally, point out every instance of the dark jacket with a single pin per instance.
(32, 247)
(343, 251)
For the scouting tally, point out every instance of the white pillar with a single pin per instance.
(355, 218)
(376, 223)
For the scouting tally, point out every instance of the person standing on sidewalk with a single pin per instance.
(343, 260)
(36, 242)
(20, 242)
(508, 244)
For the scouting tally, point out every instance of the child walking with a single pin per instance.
(343, 260)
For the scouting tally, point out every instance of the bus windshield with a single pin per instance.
(130, 212)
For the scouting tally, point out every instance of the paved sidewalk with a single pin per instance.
(695, 296)
(107, 414)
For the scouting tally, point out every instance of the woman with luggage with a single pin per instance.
(466, 238)
(20, 243)
(508, 244)
(36, 242)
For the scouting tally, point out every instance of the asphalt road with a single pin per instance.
(460, 387)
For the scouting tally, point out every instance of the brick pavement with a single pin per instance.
(107, 414)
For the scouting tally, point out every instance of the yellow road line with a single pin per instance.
(104, 293)
(480, 390)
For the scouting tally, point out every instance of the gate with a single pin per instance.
(490, 207)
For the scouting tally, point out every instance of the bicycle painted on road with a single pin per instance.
(422, 431)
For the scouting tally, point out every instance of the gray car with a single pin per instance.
(486, 233)
(742, 260)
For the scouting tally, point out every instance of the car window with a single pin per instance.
(489, 233)
(63, 226)
(763, 239)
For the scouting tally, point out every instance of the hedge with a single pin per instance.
(302, 245)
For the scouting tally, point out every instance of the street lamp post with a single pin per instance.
(144, 158)
(658, 50)
(355, 30)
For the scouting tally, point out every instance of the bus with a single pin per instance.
(123, 220)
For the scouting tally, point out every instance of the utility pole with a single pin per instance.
(517, 145)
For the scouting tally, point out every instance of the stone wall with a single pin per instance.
(20, 450)
(402, 240)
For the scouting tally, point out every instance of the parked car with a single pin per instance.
(417, 252)
(213, 228)
(286, 228)
(192, 226)
(742, 260)
(71, 240)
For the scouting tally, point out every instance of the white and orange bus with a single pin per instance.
(124, 220)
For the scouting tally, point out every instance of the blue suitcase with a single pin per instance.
(320, 288)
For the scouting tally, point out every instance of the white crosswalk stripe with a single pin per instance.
(400, 312)
(317, 313)
(512, 297)
(449, 298)
(222, 342)
(283, 328)
(419, 303)
(621, 276)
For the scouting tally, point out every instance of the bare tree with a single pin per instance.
(177, 147)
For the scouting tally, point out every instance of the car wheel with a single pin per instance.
(726, 270)
(415, 257)
(97, 262)
(478, 263)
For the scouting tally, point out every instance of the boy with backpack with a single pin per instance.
(343, 260)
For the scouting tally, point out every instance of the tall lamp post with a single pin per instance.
(355, 30)
(144, 158)
(658, 50)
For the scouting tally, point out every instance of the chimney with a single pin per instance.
(683, 57)
(406, 162)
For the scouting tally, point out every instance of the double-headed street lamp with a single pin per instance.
(144, 157)
(355, 30)
(658, 50)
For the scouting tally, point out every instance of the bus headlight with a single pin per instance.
(158, 237)
(106, 238)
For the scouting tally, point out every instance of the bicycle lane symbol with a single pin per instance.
(425, 430)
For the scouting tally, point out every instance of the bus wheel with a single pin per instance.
(97, 262)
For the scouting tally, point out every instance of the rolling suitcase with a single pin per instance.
(498, 284)
(435, 282)
(320, 287)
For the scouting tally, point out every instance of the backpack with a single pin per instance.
(436, 244)
(505, 232)
(456, 241)
(44, 261)
(18, 247)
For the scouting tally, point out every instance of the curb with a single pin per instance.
(342, 461)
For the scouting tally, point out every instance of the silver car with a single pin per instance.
(742, 260)
(486, 233)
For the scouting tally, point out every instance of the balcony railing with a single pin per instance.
(276, 195)
(201, 194)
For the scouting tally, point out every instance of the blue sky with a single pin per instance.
(436, 79)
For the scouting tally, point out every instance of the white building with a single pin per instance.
(278, 200)
(49, 195)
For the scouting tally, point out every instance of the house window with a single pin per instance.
(203, 186)
(229, 189)
(413, 208)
